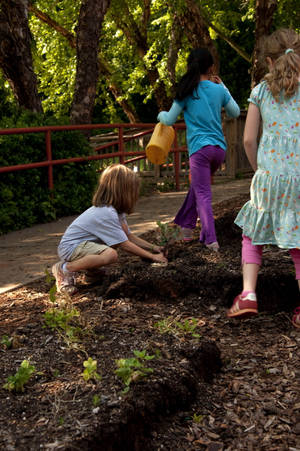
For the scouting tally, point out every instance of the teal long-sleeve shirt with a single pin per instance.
(202, 115)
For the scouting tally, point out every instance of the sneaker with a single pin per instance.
(95, 275)
(296, 318)
(243, 306)
(187, 234)
(213, 246)
(65, 280)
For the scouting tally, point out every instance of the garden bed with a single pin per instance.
(200, 381)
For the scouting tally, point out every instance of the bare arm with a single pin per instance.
(132, 248)
(140, 247)
(143, 243)
(251, 134)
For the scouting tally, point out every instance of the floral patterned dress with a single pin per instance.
(272, 216)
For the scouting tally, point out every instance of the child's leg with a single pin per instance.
(251, 261)
(245, 304)
(187, 214)
(89, 255)
(202, 164)
(86, 256)
(295, 254)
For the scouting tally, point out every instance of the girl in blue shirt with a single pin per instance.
(201, 96)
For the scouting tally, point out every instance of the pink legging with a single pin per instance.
(252, 253)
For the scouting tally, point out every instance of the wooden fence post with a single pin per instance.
(231, 133)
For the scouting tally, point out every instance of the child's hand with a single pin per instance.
(157, 249)
(159, 258)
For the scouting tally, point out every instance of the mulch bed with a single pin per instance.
(213, 383)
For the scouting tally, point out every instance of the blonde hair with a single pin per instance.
(283, 47)
(118, 186)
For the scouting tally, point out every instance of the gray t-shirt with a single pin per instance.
(98, 224)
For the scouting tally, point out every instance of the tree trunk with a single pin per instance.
(103, 67)
(91, 17)
(15, 53)
(175, 45)
(195, 29)
(264, 12)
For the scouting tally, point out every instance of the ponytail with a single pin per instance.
(199, 62)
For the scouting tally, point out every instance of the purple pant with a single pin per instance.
(197, 203)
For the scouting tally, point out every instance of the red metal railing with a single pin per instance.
(122, 153)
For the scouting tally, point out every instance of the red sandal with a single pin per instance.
(296, 318)
(243, 306)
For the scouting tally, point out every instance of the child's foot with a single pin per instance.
(296, 318)
(187, 234)
(65, 280)
(243, 306)
(213, 246)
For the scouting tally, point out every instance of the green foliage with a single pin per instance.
(133, 369)
(22, 376)
(96, 400)
(197, 418)
(167, 234)
(6, 341)
(186, 327)
(90, 371)
(24, 195)
(60, 319)
(54, 58)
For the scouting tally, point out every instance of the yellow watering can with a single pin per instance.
(160, 143)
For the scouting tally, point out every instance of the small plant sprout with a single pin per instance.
(52, 292)
(96, 400)
(185, 327)
(6, 341)
(197, 418)
(90, 371)
(133, 369)
(60, 319)
(188, 326)
(22, 376)
(167, 234)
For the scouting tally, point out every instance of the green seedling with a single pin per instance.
(197, 418)
(167, 235)
(90, 371)
(186, 327)
(7, 341)
(96, 400)
(133, 369)
(59, 319)
(22, 376)
(52, 292)
(61, 421)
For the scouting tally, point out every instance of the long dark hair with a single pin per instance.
(198, 63)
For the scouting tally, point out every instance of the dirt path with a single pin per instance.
(25, 254)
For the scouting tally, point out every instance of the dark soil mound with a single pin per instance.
(191, 378)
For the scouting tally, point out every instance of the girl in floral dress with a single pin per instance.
(272, 216)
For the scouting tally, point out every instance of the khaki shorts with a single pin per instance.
(87, 248)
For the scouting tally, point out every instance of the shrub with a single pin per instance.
(24, 196)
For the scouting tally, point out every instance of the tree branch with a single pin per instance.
(232, 44)
(53, 24)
